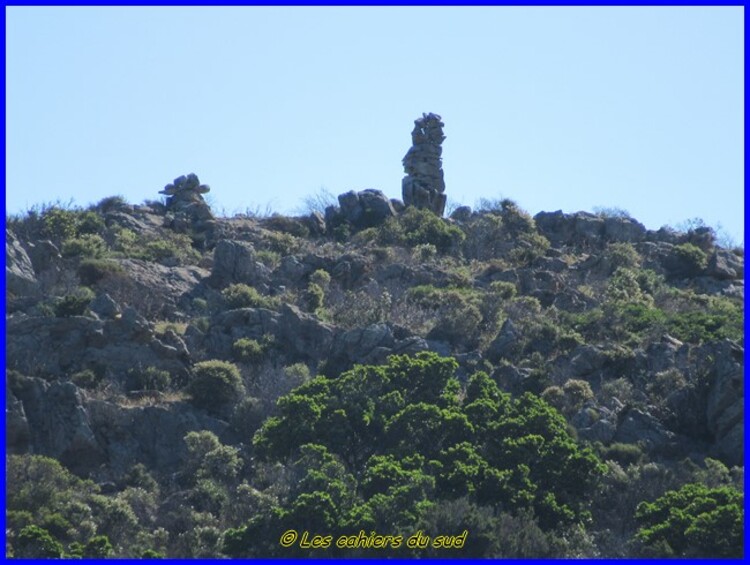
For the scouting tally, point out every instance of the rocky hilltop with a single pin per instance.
(119, 316)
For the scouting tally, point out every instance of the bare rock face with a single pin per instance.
(423, 186)
(19, 272)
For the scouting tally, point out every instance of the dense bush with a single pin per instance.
(240, 295)
(247, 350)
(418, 227)
(87, 245)
(91, 271)
(74, 304)
(216, 386)
(694, 521)
(415, 439)
(150, 378)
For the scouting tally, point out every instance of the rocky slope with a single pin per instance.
(634, 335)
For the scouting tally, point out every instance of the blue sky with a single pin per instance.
(556, 108)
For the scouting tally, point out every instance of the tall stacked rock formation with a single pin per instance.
(187, 211)
(423, 186)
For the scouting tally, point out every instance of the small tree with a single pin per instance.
(216, 386)
(34, 541)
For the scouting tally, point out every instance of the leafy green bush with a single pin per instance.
(86, 379)
(171, 245)
(576, 393)
(622, 255)
(37, 542)
(240, 295)
(321, 278)
(417, 440)
(59, 224)
(150, 378)
(90, 222)
(216, 385)
(624, 453)
(87, 245)
(694, 521)
(686, 260)
(314, 296)
(111, 203)
(91, 271)
(287, 225)
(417, 227)
(247, 350)
(74, 304)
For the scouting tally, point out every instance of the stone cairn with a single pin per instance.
(187, 211)
(423, 186)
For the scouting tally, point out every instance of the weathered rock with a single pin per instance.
(235, 262)
(725, 408)
(723, 264)
(152, 288)
(127, 435)
(44, 255)
(304, 335)
(623, 229)
(316, 223)
(56, 347)
(105, 307)
(461, 214)
(367, 208)
(58, 421)
(424, 185)
(637, 426)
(20, 278)
(505, 344)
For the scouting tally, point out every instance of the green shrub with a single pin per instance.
(321, 278)
(248, 416)
(624, 453)
(176, 246)
(622, 255)
(486, 237)
(216, 385)
(91, 271)
(694, 521)
(240, 295)
(74, 304)
(415, 226)
(247, 350)
(687, 260)
(111, 203)
(59, 224)
(287, 225)
(424, 252)
(86, 379)
(504, 290)
(554, 396)
(314, 296)
(282, 243)
(37, 542)
(90, 222)
(97, 547)
(529, 246)
(87, 245)
(150, 378)
(576, 393)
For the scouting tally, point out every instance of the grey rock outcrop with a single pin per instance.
(366, 208)
(236, 262)
(19, 272)
(561, 228)
(424, 186)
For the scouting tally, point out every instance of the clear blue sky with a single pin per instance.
(556, 108)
